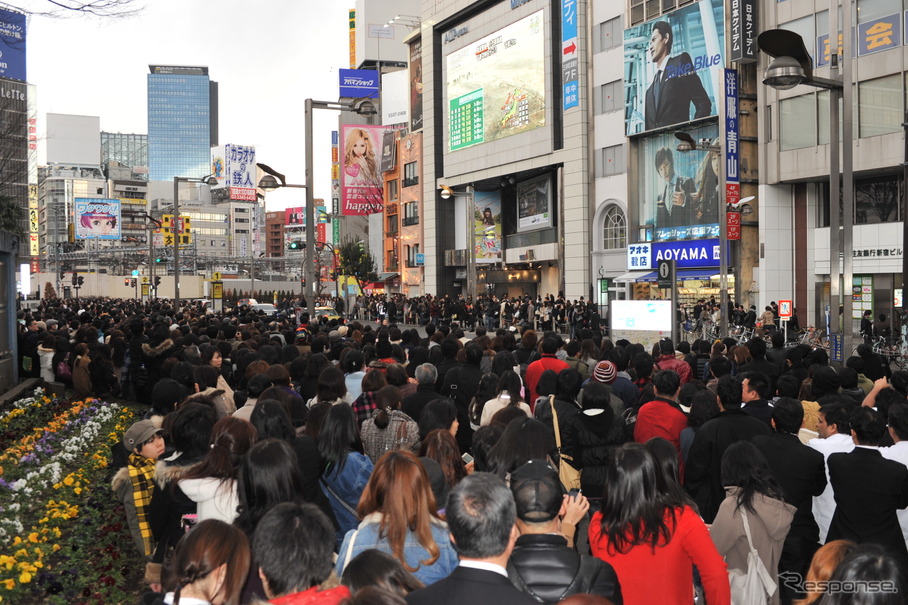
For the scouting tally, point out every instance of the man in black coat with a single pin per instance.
(675, 86)
(412, 405)
(868, 488)
(480, 515)
(542, 564)
(460, 384)
(801, 471)
(759, 363)
(755, 392)
(702, 474)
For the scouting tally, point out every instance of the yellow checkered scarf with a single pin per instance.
(141, 473)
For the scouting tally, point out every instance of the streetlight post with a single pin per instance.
(176, 224)
(448, 193)
(688, 144)
(790, 67)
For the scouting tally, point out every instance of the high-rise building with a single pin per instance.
(182, 121)
(128, 151)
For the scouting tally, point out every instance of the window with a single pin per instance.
(392, 224)
(798, 127)
(609, 98)
(880, 106)
(610, 161)
(610, 35)
(614, 229)
(411, 177)
(411, 214)
(393, 189)
(877, 200)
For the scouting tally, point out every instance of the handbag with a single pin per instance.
(63, 371)
(570, 476)
(756, 585)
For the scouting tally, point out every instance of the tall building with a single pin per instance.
(182, 121)
(127, 151)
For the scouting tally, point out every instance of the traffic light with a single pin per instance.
(133, 284)
(126, 281)
(81, 280)
(297, 245)
(157, 280)
(160, 259)
(74, 278)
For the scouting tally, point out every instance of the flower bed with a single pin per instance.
(63, 536)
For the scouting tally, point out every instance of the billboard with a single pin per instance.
(234, 167)
(361, 181)
(673, 67)
(12, 45)
(97, 218)
(679, 191)
(358, 83)
(394, 99)
(416, 85)
(495, 86)
(534, 203)
(487, 226)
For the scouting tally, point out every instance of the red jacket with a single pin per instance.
(314, 596)
(670, 362)
(535, 370)
(659, 418)
(664, 575)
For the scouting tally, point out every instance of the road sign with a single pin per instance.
(216, 276)
(666, 273)
(144, 279)
(135, 272)
(785, 309)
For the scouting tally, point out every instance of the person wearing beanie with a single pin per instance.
(134, 483)
(542, 564)
(605, 373)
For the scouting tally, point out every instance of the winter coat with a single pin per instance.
(343, 487)
(82, 377)
(45, 360)
(153, 357)
(769, 524)
(215, 499)
(597, 435)
(401, 433)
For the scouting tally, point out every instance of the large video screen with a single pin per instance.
(680, 191)
(673, 67)
(495, 86)
(648, 315)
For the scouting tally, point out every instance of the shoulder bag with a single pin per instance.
(570, 476)
(756, 585)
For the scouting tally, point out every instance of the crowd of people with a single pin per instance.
(330, 462)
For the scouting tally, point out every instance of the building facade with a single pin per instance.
(125, 151)
(182, 121)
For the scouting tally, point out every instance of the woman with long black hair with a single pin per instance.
(652, 543)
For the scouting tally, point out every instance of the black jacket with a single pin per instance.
(467, 585)
(412, 405)
(567, 415)
(702, 477)
(545, 568)
(597, 437)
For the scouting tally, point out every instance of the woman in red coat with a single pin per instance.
(651, 541)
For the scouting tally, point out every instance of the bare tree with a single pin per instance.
(66, 8)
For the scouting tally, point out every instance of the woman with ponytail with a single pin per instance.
(212, 483)
(209, 566)
(388, 428)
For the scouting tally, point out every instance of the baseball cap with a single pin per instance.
(139, 433)
(537, 491)
(605, 372)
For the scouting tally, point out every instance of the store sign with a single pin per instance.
(688, 254)
(733, 225)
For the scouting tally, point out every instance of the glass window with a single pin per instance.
(613, 160)
(614, 229)
(868, 10)
(411, 177)
(798, 127)
(880, 106)
(877, 199)
(392, 190)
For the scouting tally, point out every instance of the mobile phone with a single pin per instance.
(467, 458)
(575, 492)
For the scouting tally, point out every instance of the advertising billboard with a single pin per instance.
(394, 98)
(97, 218)
(358, 83)
(416, 85)
(12, 45)
(487, 226)
(673, 67)
(679, 192)
(361, 181)
(495, 86)
(534, 203)
(234, 167)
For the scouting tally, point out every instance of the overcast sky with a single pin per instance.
(268, 56)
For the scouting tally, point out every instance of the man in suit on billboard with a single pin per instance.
(674, 200)
(675, 86)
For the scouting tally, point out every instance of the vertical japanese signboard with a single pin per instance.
(569, 53)
(743, 34)
(732, 182)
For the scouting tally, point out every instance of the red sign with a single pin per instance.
(785, 309)
(733, 225)
(732, 193)
(244, 194)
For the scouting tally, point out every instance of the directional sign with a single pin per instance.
(216, 276)
(144, 279)
(666, 271)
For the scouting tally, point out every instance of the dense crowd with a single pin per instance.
(328, 462)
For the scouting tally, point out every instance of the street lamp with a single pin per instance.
(209, 180)
(790, 67)
(687, 144)
(363, 107)
(275, 180)
(446, 194)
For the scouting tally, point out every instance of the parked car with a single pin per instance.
(328, 313)
(266, 308)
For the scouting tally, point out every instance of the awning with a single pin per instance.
(387, 276)
(683, 275)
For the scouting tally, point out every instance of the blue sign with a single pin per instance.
(12, 45)
(687, 254)
(420, 259)
(836, 343)
(358, 83)
(881, 34)
(569, 53)
(135, 272)
(732, 184)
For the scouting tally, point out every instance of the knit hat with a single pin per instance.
(139, 433)
(342, 330)
(537, 491)
(605, 372)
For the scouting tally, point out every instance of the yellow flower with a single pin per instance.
(10, 584)
(25, 577)
(56, 547)
(17, 541)
(68, 480)
(33, 537)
